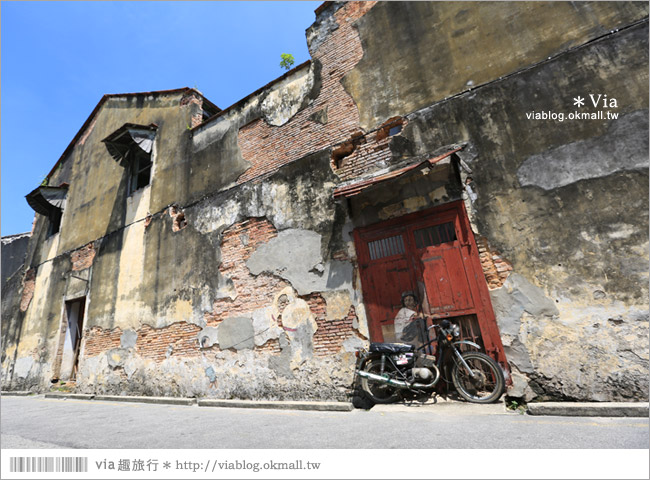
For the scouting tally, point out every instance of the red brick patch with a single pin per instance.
(83, 257)
(495, 267)
(267, 147)
(29, 283)
(253, 291)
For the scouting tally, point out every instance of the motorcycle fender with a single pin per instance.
(467, 342)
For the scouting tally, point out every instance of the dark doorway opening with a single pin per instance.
(67, 363)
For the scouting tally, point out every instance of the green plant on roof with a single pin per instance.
(287, 61)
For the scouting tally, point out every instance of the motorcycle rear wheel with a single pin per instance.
(486, 386)
(376, 391)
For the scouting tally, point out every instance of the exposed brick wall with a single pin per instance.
(330, 334)
(29, 283)
(267, 147)
(155, 343)
(178, 218)
(97, 340)
(195, 101)
(495, 267)
(372, 151)
(83, 257)
(152, 342)
(270, 346)
(253, 292)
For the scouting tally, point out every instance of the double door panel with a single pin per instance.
(432, 254)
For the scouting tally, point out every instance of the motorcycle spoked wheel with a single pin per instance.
(379, 392)
(487, 384)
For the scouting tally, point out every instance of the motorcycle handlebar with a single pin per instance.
(444, 324)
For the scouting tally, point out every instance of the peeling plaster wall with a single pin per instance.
(174, 324)
(620, 148)
(14, 249)
(97, 195)
(233, 274)
(97, 200)
(565, 204)
(227, 374)
(28, 363)
(11, 325)
(423, 52)
(287, 98)
(295, 255)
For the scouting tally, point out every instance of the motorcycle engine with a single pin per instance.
(422, 373)
(423, 360)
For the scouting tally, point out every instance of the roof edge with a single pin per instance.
(15, 236)
(103, 100)
(322, 7)
(251, 95)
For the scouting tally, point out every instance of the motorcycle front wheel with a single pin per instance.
(487, 382)
(379, 392)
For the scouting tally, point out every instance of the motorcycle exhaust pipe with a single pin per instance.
(398, 383)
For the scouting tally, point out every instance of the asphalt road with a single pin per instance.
(37, 422)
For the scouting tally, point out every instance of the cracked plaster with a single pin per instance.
(619, 149)
(292, 255)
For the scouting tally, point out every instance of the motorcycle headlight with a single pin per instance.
(456, 330)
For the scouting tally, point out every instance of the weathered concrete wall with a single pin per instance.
(97, 210)
(218, 146)
(98, 196)
(35, 325)
(12, 321)
(571, 221)
(325, 115)
(14, 249)
(418, 53)
(253, 298)
(233, 274)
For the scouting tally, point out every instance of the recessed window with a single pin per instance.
(394, 130)
(132, 146)
(140, 171)
(54, 222)
(390, 127)
(49, 202)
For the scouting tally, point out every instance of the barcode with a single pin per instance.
(48, 464)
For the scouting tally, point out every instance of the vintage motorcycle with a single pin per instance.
(388, 371)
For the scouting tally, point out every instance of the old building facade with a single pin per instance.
(183, 250)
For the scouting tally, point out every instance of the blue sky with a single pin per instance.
(59, 58)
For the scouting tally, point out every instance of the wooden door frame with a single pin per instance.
(476, 277)
(64, 331)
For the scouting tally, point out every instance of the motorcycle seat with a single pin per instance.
(391, 347)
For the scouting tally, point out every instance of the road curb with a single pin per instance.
(279, 405)
(154, 400)
(122, 398)
(564, 409)
(274, 405)
(64, 396)
(589, 409)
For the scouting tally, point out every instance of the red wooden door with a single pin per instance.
(387, 274)
(432, 253)
(439, 262)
